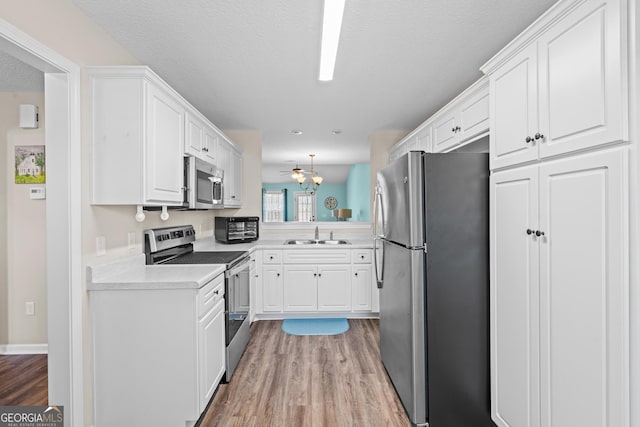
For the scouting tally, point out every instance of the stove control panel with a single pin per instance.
(158, 239)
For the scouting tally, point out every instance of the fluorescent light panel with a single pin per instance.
(331, 26)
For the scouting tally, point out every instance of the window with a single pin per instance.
(304, 206)
(273, 206)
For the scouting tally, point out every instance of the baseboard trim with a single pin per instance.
(11, 349)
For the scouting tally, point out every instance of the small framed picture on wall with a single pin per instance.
(30, 164)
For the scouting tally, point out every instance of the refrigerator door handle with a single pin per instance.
(379, 275)
(378, 235)
(378, 215)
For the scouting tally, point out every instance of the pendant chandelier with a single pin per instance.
(299, 175)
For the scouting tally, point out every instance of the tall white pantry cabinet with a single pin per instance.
(561, 159)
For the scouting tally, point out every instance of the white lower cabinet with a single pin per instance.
(334, 288)
(361, 289)
(559, 292)
(211, 352)
(300, 288)
(158, 354)
(308, 280)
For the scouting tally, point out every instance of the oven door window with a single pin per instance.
(237, 301)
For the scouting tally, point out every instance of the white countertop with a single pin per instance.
(131, 273)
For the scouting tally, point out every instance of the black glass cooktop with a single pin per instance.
(218, 257)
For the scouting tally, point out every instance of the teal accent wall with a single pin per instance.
(339, 191)
(358, 193)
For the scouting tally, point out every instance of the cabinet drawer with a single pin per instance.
(317, 256)
(361, 256)
(272, 257)
(210, 294)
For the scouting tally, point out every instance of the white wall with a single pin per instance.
(22, 248)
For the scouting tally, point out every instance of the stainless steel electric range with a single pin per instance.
(174, 245)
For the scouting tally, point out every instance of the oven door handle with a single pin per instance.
(241, 265)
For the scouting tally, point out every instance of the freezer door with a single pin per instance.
(402, 327)
(401, 188)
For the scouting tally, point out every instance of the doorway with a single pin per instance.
(63, 218)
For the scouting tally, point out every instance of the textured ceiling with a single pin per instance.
(16, 76)
(253, 64)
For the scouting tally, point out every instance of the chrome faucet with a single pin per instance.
(317, 234)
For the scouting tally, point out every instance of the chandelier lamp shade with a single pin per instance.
(316, 180)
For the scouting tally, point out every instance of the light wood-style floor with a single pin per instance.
(23, 380)
(287, 380)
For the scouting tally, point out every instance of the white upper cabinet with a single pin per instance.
(514, 112)
(138, 138)
(563, 90)
(463, 120)
(141, 131)
(230, 160)
(201, 140)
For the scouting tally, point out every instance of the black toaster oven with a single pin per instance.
(236, 229)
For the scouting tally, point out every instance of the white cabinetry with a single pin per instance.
(211, 352)
(563, 92)
(300, 288)
(201, 139)
(230, 160)
(317, 280)
(272, 281)
(559, 239)
(138, 138)
(156, 348)
(463, 120)
(362, 280)
(308, 280)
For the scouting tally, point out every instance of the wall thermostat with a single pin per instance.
(37, 193)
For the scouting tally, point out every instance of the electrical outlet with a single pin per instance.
(131, 240)
(101, 245)
(30, 308)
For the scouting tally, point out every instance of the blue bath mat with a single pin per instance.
(315, 326)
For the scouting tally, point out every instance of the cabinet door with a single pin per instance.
(211, 353)
(300, 288)
(362, 286)
(194, 138)
(445, 131)
(514, 297)
(272, 285)
(513, 105)
(164, 147)
(236, 197)
(210, 145)
(582, 100)
(474, 114)
(584, 290)
(334, 288)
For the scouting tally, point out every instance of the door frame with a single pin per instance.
(65, 288)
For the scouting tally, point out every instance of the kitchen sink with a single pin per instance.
(316, 242)
(333, 242)
(300, 242)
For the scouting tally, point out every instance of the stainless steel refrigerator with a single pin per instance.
(432, 268)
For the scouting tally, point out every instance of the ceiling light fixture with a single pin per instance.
(296, 132)
(316, 180)
(331, 26)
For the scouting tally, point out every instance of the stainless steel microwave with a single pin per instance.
(236, 229)
(204, 185)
